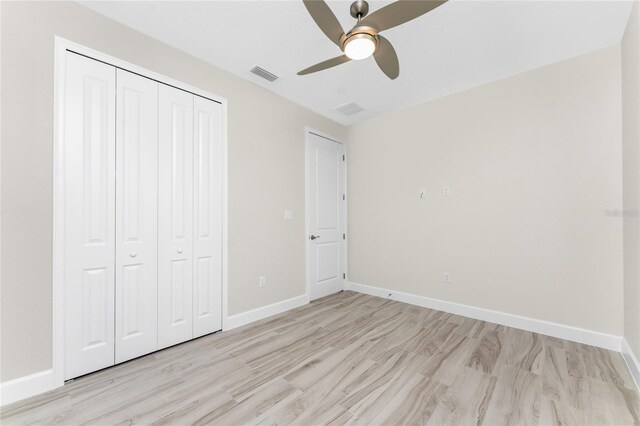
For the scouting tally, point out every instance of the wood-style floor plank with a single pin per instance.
(352, 359)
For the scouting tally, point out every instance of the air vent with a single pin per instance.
(264, 74)
(350, 108)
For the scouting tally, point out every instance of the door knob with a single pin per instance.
(132, 254)
(313, 237)
(179, 251)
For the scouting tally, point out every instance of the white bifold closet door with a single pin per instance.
(89, 219)
(175, 217)
(189, 217)
(207, 222)
(136, 279)
(142, 215)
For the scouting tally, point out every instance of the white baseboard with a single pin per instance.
(26, 386)
(632, 362)
(244, 318)
(575, 334)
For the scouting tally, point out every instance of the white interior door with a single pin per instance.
(89, 206)
(175, 216)
(326, 215)
(136, 216)
(207, 219)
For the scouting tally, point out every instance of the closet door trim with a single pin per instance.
(61, 47)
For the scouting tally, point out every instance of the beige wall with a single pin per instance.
(266, 171)
(532, 161)
(631, 176)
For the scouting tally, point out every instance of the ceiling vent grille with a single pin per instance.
(260, 72)
(350, 108)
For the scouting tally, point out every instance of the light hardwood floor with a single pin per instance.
(353, 359)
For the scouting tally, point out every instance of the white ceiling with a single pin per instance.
(459, 45)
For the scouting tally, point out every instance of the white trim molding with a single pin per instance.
(567, 332)
(632, 362)
(26, 386)
(244, 318)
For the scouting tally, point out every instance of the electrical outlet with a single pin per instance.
(446, 191)
(262, 281)
(423, 193)
(446, 278)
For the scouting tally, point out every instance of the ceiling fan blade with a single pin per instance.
(329, 63)
(398, 13)
(386, 58)
(325, 19)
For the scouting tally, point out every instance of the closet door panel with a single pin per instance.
(136, 216)
(207, 245)
(89, 205)
(175, 216)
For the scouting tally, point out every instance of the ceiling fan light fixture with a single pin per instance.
(360, 46)
(364, 39)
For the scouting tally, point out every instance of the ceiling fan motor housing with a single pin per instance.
(359, 9)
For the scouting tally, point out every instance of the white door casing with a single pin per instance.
(175, 216)
(136, 216)
(207, 216)
(326, 189)
(89, 199)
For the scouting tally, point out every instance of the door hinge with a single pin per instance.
(344, 276)
(344, 236)
(344, 197)
(342, 157)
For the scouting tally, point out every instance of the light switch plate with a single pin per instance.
(288, 215)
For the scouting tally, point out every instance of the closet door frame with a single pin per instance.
(61, 47)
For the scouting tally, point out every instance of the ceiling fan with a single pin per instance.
(364, 39)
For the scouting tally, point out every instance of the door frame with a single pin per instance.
(309, 131)
(61, 46)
